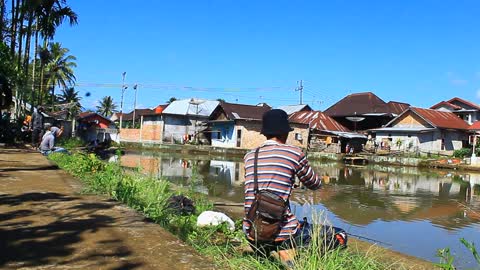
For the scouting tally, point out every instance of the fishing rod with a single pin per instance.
(368, 239)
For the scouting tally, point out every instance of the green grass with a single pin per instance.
(70, 143)
(228, 249)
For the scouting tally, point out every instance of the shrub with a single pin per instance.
(461, 153)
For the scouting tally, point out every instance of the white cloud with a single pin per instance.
(454, 79)
(458, 82)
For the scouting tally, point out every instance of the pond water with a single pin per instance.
(405, 209)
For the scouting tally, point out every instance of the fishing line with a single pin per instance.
(369, 239)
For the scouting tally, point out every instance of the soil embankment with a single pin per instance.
(46, 223)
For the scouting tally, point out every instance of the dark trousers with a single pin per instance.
(36, 137)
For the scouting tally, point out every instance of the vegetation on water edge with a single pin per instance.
(447, 259)
(226, 248)
(70, 143)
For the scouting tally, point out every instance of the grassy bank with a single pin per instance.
(227, 248)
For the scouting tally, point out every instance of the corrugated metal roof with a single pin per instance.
(138, 114)
(466, 102)
(397, 107)
(317, 120)
(86, 115)
(446, 104)
(403, 129)
(364, 103)
(455, 106)
(441, 119)
(475, 126)
(243, 111)
(290, 109)
(184, 107)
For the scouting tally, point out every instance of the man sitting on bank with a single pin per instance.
(270, 172)
(47, 146)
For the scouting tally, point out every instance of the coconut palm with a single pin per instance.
(59, 70)
(71, 101)
(45, 17)
(172, 99)
(107, 107)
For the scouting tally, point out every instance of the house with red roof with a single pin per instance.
(326, 134)
(423, 130)
(363, 111)
(93, 126)
(468, 111)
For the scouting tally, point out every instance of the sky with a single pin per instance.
(415, 51)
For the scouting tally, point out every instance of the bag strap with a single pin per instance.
(255, 172)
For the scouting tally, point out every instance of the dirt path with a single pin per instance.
(45, 223)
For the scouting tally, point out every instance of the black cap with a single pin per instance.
(275, 122)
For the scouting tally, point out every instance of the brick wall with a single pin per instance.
(129, 134)
(251, 137)
(147, 133)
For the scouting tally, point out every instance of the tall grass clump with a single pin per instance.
(228, 249)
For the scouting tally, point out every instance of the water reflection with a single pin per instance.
(415, 211)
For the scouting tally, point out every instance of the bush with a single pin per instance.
(461, 153)
(70, 143)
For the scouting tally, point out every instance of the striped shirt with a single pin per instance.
(277, 166)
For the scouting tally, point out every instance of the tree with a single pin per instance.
(60, 69)
(71, 101)
(7, 76)
(172, 99)
(107, 107)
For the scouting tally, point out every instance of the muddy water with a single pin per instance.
(405, 209)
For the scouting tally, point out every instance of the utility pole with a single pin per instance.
(134, 103)
(124, 87)
(300, 88)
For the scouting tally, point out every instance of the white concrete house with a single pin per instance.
(423, 130)
(468, 111)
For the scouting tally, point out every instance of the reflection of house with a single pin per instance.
(291, 109)
(362, 111)
(186, 117)
(226, 171)
(466, 110)
(92, 126)
(423, 130)
(239, 125)
(326, 134)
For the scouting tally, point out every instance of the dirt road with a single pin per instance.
(46, 223)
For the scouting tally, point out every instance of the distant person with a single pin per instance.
(47, 146)
(270, 172)
(36, 126)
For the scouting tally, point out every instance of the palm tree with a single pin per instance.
(48, 16)
(172, 99)
(70, 99)
(60, 69)
(107, 107)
